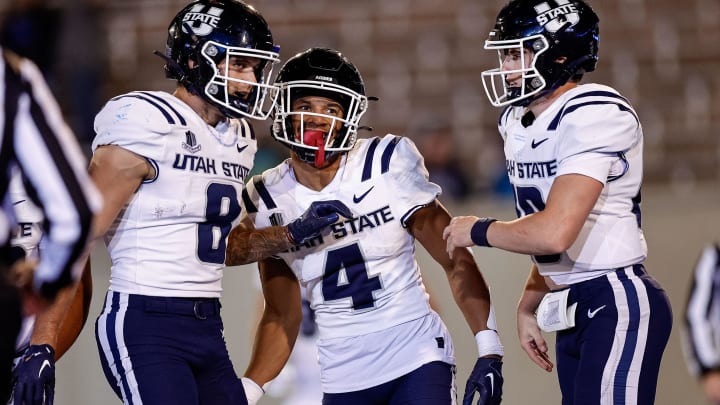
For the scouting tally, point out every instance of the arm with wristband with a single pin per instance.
(472, 296)
(551, 230)
(278, 327)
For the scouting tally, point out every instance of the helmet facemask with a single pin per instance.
(310, 146)
(495, 81)
(217, 91)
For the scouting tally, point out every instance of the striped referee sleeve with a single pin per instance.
(36, 139)
(701, 335)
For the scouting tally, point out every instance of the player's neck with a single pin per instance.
(211, 115)
(538, 106)
(312, 177)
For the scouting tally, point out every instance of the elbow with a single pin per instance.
(557, 242)
(234, 259)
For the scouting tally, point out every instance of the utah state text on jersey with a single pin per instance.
(207, 165)
(531, 170)
(353, 226)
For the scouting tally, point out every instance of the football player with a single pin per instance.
(171, 168)
(342, 216)
(574, 157)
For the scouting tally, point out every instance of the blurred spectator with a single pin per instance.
(81, 66)
(436, 143)
(30, 28)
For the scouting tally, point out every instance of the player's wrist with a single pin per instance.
(253, 392)
(488, 343)
(479, 230)
(289, 235)
(43, 348)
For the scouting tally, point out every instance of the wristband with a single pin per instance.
(478, 233)
(253, 392)
(488, 342)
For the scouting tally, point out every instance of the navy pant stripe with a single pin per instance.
(621, 374)
(107, 339)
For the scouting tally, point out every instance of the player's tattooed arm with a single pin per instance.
(246, 244)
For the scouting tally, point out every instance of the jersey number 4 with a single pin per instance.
(346, 276)
(222, 208)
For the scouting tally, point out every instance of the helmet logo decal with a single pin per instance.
(201, 23)
(555, 18)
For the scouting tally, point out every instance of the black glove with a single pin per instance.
(486, 379)
(319, 215)
(34, 377)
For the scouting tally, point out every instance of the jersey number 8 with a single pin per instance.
(222, 208)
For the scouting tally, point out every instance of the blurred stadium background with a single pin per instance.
(423, 59)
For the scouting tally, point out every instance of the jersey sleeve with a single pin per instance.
(258, 204)
(410, 182)
(595, 137)
(250, 202)
(132, 124)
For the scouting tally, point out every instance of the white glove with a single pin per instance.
(253, 392)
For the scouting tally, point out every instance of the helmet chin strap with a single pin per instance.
(316, 138)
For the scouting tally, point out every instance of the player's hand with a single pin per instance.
(711, 386)
(486, 380)
(532, 341)
(34, 377)
(319, 215)
(457, 234)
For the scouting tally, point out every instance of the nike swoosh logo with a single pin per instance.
(492, 383)
(534, 144)
(240, 149)
(592, 313)
(18, 202)
(45, 363)
(357, 199)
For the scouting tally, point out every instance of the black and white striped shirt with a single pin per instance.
(702, 314)
(35, 138)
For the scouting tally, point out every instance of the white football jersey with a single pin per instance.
(27, 234)
(27, 216)
(170, 239)
(593, 131)
(361, 274)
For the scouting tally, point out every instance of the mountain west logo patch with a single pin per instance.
(555, 18)
(190, 143)
(201, 22)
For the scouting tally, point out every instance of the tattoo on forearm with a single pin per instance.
(251, 246)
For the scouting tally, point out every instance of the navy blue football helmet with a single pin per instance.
(211, 32)
(325, 73)
(555, 40)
